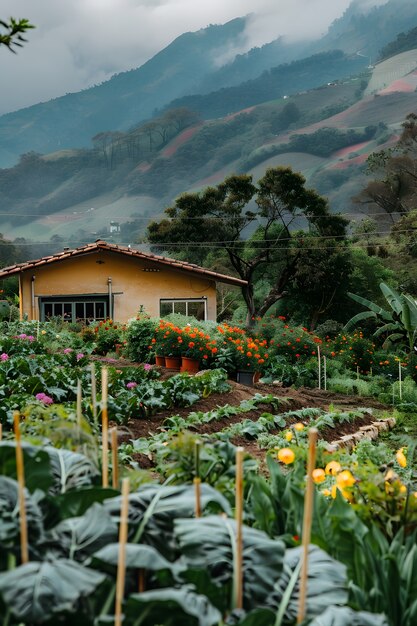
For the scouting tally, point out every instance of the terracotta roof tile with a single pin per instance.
(111, 247)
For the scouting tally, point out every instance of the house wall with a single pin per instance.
(131, 285)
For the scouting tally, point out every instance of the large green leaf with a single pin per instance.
(74, 503)
(344, 616)
(10, 517)
(137, 556)
(208, 543)
(364, 315)
(153, 509)
(392, 297)
(326, 583)
(37, 591)
(171, 607)
(70, 470)
(36, 463)
(77, 537)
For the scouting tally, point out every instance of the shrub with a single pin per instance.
(354, 350)
(108, 335)
(139, 335)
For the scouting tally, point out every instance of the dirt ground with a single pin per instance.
(293, 399)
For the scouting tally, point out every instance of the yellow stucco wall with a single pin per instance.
(130, 284)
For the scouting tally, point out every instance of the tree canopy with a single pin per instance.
(269, 229)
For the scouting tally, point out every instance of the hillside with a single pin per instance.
(72, 120)
(190, 65)
(326, 133)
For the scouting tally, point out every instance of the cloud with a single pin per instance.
(78, 43)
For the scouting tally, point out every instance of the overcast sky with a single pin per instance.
(78, 43)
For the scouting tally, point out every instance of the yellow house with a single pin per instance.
(102, 280)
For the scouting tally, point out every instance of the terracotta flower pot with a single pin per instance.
(160, 360)
(190, 365)
(173, 362)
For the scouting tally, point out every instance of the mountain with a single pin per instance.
(129, 177)
(190, 65)
(124, 100)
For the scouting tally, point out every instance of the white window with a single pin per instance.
(193, 307)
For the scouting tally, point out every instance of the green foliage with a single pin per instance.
(139, 334)
(107, 335)
(11, 33)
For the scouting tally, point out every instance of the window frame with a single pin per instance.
(202, 300)
(73, 301)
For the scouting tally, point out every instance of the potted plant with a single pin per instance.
(197, 347)
(245, 355)
(168, 344)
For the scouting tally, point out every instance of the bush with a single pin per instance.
(354, 350)
(108, 335)
(139, 335)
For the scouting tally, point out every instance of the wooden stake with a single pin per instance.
(79, 398)
(325, 372)
(20, 470)
(319, 364)
(114, 456)
(121, 566)
(1, 431)
(141, 580)
(238, 591)
(94, 393)
(307, 521)
(104, 429)
(197, 491)
(400, 382)
(197, 448)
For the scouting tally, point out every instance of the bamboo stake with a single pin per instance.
(197, 492)
(104, 429)
(20, 470)
(79, 398)
(141, 579)
(197, 448)
(325, 372)
(239, 534)
(1, 431)
(121, 566)
(94, 393)
(400, 382)
(115, 465)
(319, 364)
(307, 521)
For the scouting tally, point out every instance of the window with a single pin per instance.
(74, 308)
(195, 307)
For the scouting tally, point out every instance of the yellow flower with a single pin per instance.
(390, 475)
(318, 475)
(286, 455)
(43, 332)
(345, 479)
(326, 492)
(403, 489)
(401, 458)
(332, 468)
(288, 435)
(298, 427)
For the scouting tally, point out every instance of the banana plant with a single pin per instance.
(399, 323)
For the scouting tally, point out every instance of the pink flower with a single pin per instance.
(4, 357)
(67, 350)
(147, 367)
(79, 356)
(22, 336)
(42, 397)
(30, 338)
(131, 385)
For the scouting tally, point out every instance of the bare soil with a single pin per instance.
(292, 399)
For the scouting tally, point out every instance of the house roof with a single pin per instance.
(124, 250)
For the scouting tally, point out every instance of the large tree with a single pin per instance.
(264, 229)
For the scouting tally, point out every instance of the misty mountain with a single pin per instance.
(123, 101)
(189, 65)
